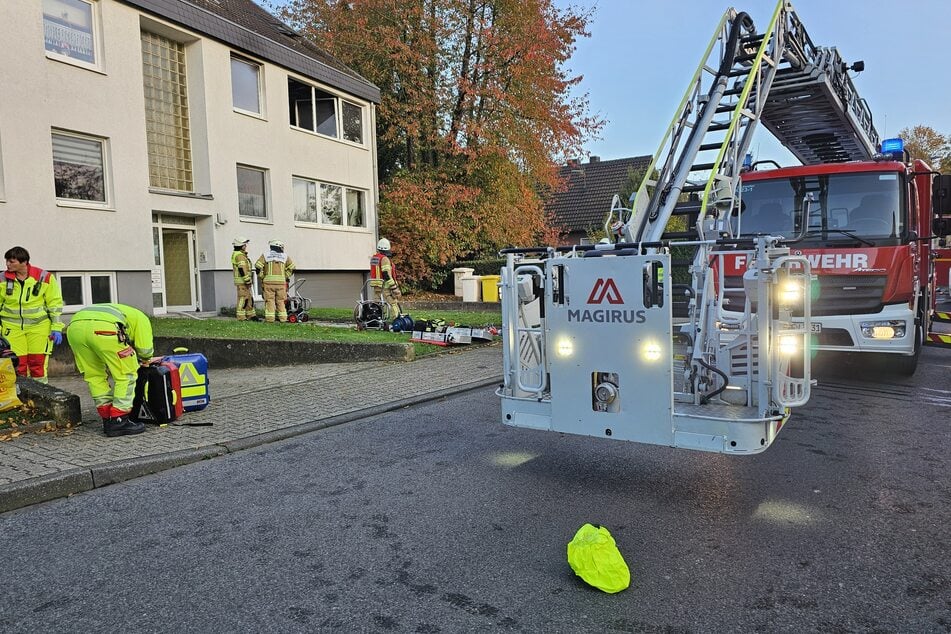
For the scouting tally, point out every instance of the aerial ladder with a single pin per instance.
(590, 343)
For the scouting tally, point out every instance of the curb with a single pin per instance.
(65, 483)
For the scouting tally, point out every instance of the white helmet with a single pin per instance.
(239, 241)
(383, 244)
(276, 243)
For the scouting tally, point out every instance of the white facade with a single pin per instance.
(152, 247)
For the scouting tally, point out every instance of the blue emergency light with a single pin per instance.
(893, 146)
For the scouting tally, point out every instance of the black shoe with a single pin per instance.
(122, 426)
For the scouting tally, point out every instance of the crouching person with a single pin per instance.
(111, 340)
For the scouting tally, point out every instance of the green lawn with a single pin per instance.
(344, 329)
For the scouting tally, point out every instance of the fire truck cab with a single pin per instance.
(865, 228)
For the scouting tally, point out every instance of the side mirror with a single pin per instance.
(941, 195)
(941, 226)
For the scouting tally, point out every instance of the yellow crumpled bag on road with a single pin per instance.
(594, 557)
(8, 386)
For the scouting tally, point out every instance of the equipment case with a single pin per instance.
(193, 371)
(158, 394)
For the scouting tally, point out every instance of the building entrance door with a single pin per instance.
(174, 273)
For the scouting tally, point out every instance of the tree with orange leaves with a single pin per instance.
(475, 115)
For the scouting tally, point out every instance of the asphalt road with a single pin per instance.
(440, 519)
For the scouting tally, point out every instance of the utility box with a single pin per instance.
(457, 275)
(472, 288)
(490, 288)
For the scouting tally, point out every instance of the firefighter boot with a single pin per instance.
(121, 426)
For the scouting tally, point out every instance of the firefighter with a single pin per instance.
(31, 307)
(383, 276)
(275, 270)
(241, 267)
(113, 340)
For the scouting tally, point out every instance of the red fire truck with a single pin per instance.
(867, 229)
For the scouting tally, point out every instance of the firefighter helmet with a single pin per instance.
(239, 241)
(383, 244)
(276, 243)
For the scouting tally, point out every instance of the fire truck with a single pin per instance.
(590, 345)
(866, 228)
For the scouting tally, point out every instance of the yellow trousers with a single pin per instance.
(99, 355)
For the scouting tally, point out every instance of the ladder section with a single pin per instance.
(702, 151)
(813, 108)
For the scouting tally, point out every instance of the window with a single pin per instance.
(330, 204)
(311, 196)
(2, 194)
(352, 122)
(166, 113)
(245, 85)
(78, 167)
(305, 200)
(69, 30)
(319, 111)
(83, 289)
(252, 192)
(355, 213)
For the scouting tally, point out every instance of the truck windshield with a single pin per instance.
(864, 204)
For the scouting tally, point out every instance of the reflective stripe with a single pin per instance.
(32, 321)
(102, 309)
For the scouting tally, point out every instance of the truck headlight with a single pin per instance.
(888, 329)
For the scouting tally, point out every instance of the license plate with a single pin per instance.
(815, 327)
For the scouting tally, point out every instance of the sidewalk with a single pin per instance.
(248, 408)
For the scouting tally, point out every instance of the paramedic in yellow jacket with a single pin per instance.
(111, 340)
(241, 267)
(275, 270)
(31, 307)
(383, 277)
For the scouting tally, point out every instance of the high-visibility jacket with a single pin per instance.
(129, 322)
(274, 269)
(241, 266)
(382, 271)
(32, 301)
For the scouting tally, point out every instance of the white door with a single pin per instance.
(174, 272)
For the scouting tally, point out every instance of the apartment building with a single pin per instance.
(138, 138)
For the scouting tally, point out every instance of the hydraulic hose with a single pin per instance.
(706, 397)
(741, 21)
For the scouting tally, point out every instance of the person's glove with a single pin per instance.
(56, 337)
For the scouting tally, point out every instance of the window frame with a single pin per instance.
(338, 104)
(103, 142)
(266, 193)
(260, 113)
(95, 34)
(3, 191)
(86, 287)
(318, 205)
(343, 104)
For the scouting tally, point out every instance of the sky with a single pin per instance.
(642, 53)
